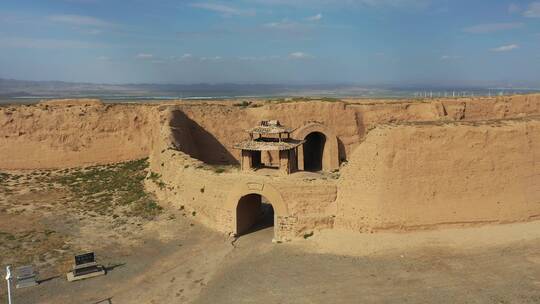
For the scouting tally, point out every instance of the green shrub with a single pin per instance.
(308, 235)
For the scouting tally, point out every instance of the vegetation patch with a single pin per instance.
(156, 178)
(4, 177)
(308, 235)
(102, 189)
(247, 104)
(47, 216)
(36, 247)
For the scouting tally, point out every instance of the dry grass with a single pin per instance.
(44, 213)
(103, 189)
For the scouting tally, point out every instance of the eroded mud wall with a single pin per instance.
(58, 135)
(74, 132)
(215, 128)
(502, 107)
(421, 175)
(218, 127)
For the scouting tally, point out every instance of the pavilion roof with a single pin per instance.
(254, 145)
(269, 127)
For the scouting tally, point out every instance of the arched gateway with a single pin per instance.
(245, 202)
(320, 149)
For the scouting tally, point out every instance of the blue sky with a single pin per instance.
(438, 42)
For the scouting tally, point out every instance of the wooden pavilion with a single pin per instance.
(270, 135)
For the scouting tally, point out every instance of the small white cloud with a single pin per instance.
(144, 56)
(505, 48)
(224, 9)
(396, 4)
(514, 8)
(215, 58)
(533, 11)
(283, 25)
(317, 17)
(79, 20)
(257, 58)
(182, 57)
(492, 27)
(303, 26)
(299, 55)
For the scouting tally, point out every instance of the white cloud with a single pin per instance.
(79, 20)
(144, 56)
(533, 11)
(292, 26)
(224, 9)
(215, 58)
(183, 57)
(412, 4)
(317, 17)
(255, 58)
(493, 27)
(505, 48)
(299, 55)
(283, 25)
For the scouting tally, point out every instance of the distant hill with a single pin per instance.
(19, 88)
(14, 89)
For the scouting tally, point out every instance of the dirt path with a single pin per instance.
(286, 273)
(198, 266)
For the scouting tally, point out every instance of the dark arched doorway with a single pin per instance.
(253, 213)
(313, 151)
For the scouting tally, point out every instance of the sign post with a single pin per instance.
(85, 267)
(8, 279)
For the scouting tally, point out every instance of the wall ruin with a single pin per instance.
(58, 135)
(403, 164)
(411, 176)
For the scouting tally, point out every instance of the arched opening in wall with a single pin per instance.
(253, 213)
(314, 151)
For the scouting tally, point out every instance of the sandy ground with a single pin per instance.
(170, 258)
(434, 267)
(199, 266)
